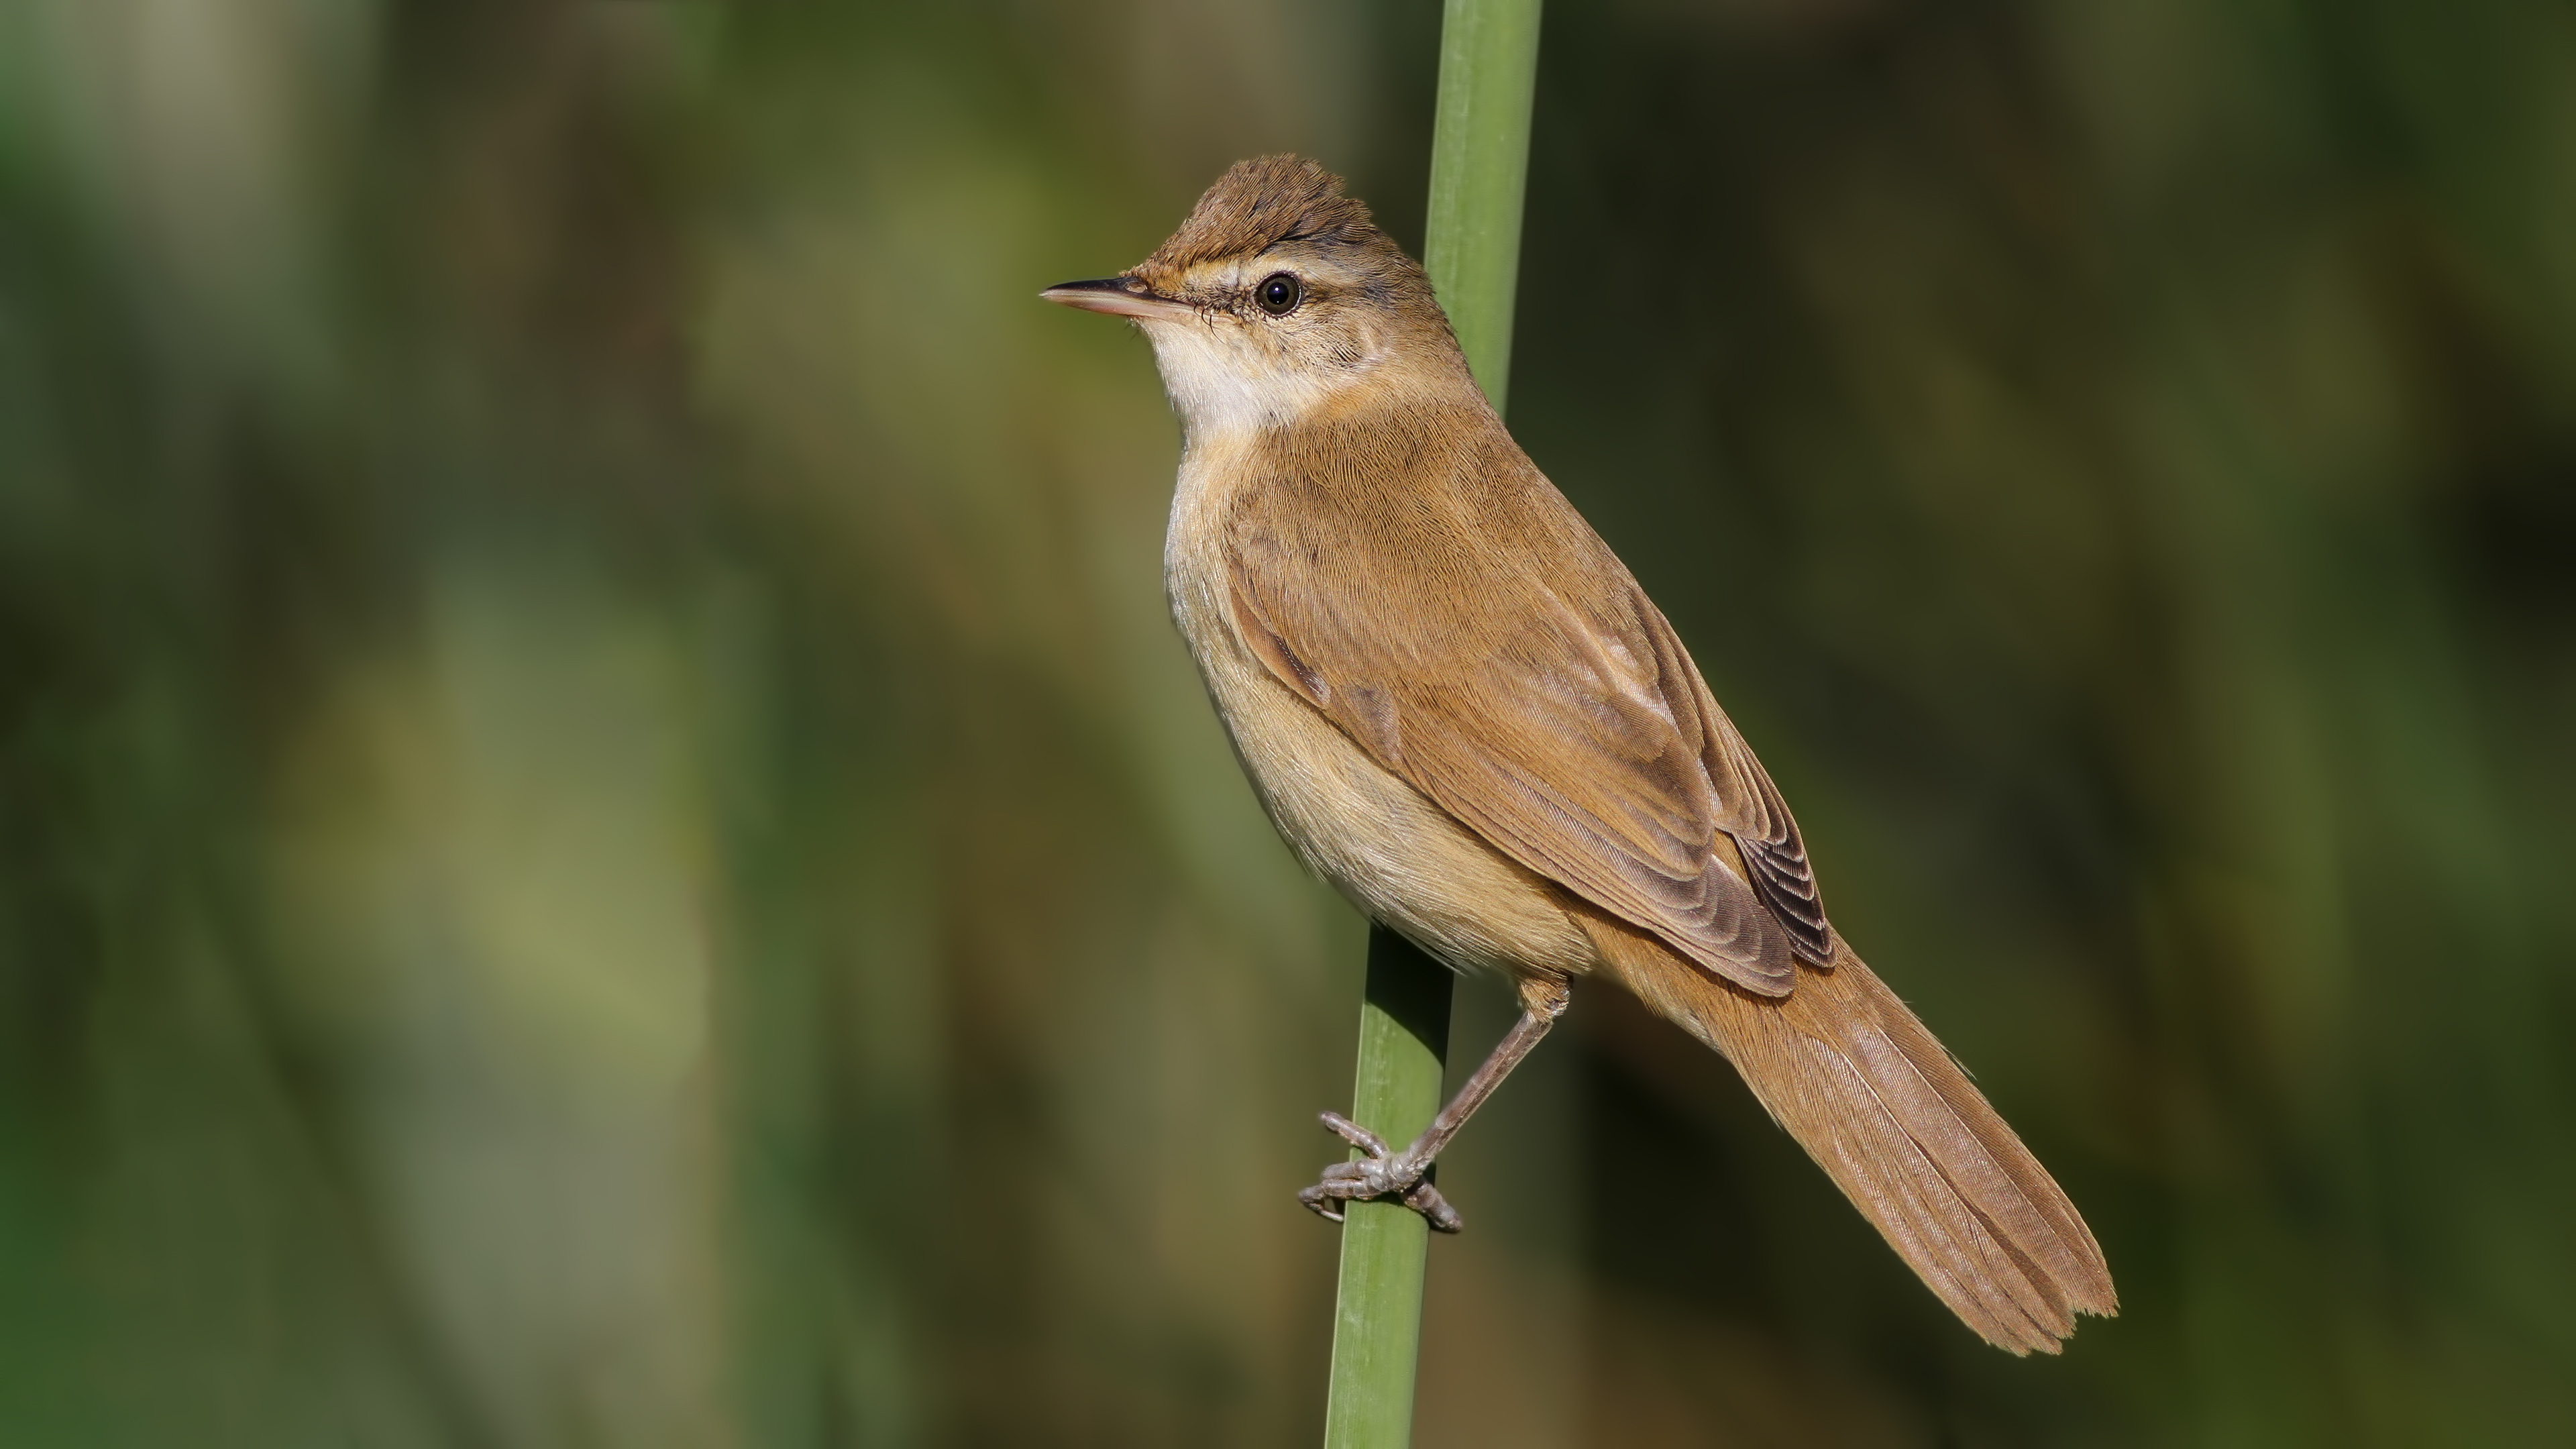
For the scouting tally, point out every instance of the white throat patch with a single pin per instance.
(1222, 381)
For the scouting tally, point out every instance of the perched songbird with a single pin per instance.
(1462, 711)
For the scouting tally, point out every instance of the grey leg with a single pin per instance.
(1400, 1174)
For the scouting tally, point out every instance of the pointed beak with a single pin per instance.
(1120, 297)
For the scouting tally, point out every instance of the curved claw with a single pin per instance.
(1354, 1134)
(1319, 1203)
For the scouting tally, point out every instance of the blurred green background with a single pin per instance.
(604, 841)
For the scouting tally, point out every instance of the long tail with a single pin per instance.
(1879, 1104)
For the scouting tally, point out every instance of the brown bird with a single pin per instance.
(1462, 711)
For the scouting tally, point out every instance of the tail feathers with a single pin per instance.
(1847, 1070)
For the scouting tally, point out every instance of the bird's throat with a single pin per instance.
(1225, 386)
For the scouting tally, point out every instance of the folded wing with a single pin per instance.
(1547, 704)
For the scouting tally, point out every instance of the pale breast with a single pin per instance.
(1385, 845)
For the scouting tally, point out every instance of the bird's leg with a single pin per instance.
(1381, 1173)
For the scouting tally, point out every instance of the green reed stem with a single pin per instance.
(1472, 248)
(1479, 161)
(1377, 1319)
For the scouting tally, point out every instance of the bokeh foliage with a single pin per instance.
(603, 840)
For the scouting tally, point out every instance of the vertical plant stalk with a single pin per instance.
(1377, 1316)
(1472, 248)
(1471, 243)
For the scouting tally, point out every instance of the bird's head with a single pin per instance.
(1278, 296)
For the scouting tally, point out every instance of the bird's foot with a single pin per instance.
(1379, 1174)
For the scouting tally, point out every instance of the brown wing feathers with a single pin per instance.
(1584, 755)
(1754, 815)
(1848, 1071)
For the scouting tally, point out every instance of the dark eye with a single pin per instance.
(1278, 296)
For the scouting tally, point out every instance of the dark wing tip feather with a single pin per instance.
(1788, 886)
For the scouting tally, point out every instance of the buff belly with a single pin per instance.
(1383, 844)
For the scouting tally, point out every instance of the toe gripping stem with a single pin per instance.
(1380, 1173)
